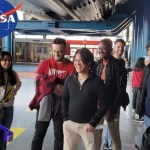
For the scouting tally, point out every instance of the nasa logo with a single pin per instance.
(8, 18)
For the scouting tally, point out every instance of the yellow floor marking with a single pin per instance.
(17, 132)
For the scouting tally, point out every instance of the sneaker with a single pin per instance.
(136, 116)
(105, 147)
(141, 120)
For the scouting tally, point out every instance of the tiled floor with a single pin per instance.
(24, 118)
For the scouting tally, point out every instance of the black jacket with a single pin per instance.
(123, 81)
(115, 80)
(80, 103)
(123, 71)
(143, 92)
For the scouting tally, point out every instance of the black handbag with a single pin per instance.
(125, 100)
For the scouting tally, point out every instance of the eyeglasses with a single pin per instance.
(58, 52)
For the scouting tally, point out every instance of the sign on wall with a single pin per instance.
(8, 17)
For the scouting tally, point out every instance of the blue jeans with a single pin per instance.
(6, 121)
(146, 121)
(107, 137)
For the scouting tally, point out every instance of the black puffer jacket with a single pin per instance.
(143, 92)
(112, 81)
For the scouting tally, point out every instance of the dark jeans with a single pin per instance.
(41, 129)
(136, 94)
(6, 121)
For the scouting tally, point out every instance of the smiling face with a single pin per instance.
(119, 49)
(58, 51)
(6, 62)
(104, 50)
(80, 65)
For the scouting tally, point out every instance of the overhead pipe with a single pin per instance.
(85, 12)
(46, 4)
(114, 24)
(81, 11)
(57, 7)
(38, 15)
(112, 3)
(97, 6)
(96, 12)
(93, 10)
(89, 11)
(78, 13)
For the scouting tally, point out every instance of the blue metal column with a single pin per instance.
(146, 22)
(141, 32)
(8, 43)
(138, 37)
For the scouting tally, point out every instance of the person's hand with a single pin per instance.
(90, 128)
(58, 90)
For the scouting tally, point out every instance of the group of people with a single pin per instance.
(77, 96)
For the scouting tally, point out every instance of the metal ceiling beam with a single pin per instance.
(56, 7)
(86, 32)
(84, 14)
(93, 11)
(97, 6)
(77, 11)
(112, 26)
(40, 16)
(82, 25)
(70, 12)
(37, 15)
(90, 28)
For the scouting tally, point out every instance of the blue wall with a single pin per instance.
(141, 32)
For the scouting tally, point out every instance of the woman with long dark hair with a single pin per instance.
(9, 85)
(136, 85)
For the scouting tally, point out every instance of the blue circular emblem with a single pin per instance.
(8, 18)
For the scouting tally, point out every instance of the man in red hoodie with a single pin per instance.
(51, 72)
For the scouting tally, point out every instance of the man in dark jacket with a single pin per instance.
(118, 50)
(143, 108)
(109, 70)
